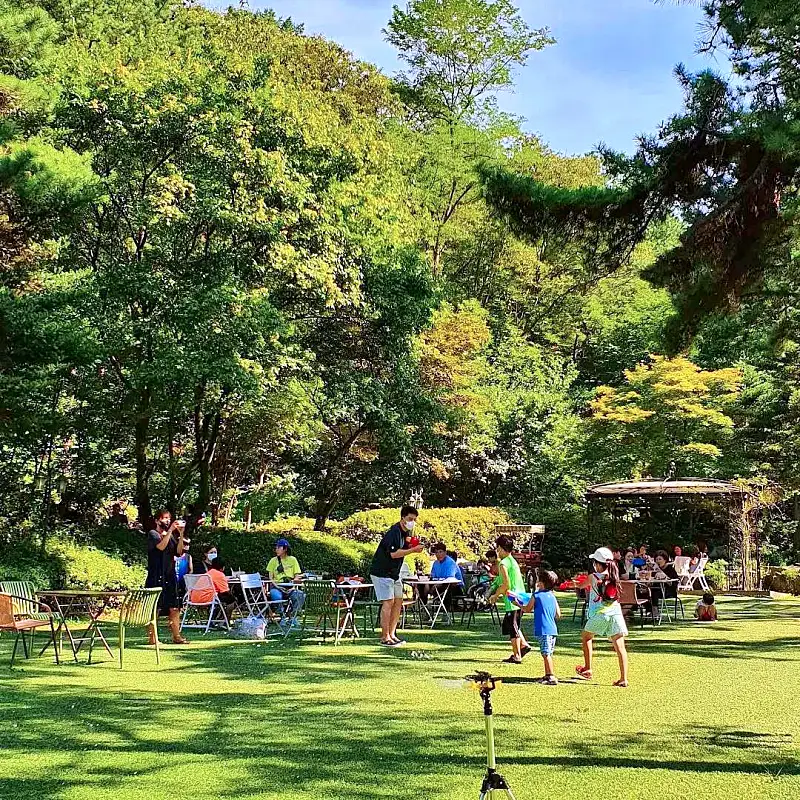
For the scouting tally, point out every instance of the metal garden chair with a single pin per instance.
(139, 610)
(25, 603)
(318, 603)
(200, 583)
(13, 622)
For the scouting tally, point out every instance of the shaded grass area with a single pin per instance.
(713, 712)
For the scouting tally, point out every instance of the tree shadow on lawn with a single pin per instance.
(761, 649)
(291, 737)
(313, 744)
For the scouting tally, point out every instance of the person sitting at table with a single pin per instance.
(209, 554)
(445, 567)
(619, 559)
(283, 568)
(663, 570)
(205, 594)
(628, 567)
(459, 571)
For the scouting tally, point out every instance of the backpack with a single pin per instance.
(606, 591)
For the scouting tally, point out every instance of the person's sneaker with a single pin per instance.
(525, 650)
(512, 660)
(549, 680)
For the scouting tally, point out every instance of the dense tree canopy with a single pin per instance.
(243, 270)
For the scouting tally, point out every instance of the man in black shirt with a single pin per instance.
(385, 572)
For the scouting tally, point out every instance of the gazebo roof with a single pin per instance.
(664, 488)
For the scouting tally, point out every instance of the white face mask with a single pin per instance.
(211, 556)
(410, 525)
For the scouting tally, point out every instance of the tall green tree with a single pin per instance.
(459, 53)
(728, 165)
(668, 411)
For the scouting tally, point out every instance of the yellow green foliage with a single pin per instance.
(669, 409)
(468, 531)
(89, 568)
(452, 351)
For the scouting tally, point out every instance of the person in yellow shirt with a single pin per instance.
(283, 568)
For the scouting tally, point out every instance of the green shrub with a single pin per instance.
(566, 541)
(786, 581)
(468, 531)
(251, 550)
(716, 574)
(90, 568)
(23, 560)
(67, 563)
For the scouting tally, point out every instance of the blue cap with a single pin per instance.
(282, 543)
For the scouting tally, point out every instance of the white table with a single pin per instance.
(439, 588)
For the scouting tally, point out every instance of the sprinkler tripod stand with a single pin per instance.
(493, 781)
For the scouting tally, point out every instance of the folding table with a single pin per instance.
(70, 603)
(438, 588)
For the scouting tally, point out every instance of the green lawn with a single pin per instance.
(713, 712)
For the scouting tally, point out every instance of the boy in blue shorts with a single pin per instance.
(546, 612)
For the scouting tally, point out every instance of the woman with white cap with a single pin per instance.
(604, 615)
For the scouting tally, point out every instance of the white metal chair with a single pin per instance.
(698, 576)
(257, 600)
(681, 565)
(202, 582)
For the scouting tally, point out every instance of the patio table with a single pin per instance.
(68, 603)
(439, 588)
(662, 583)
(344, 598)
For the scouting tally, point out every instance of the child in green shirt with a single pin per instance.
(511, 581)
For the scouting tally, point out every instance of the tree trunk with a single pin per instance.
(206, 434)
(172, 502)
(141, 434)
(326, 500)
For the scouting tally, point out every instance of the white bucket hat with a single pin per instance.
(602, 555)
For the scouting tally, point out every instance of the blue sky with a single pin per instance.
(608, 79)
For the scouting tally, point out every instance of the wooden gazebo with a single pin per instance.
(681, 499)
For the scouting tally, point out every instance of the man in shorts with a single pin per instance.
(511, 581)
(385, 573)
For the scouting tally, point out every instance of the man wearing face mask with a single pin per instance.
(385, 573)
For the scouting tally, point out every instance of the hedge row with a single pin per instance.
(116, 559)
(468, 531)
(68, 564)
(251, 550)
(786, 581)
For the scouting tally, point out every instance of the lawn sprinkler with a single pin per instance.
(493, 781)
